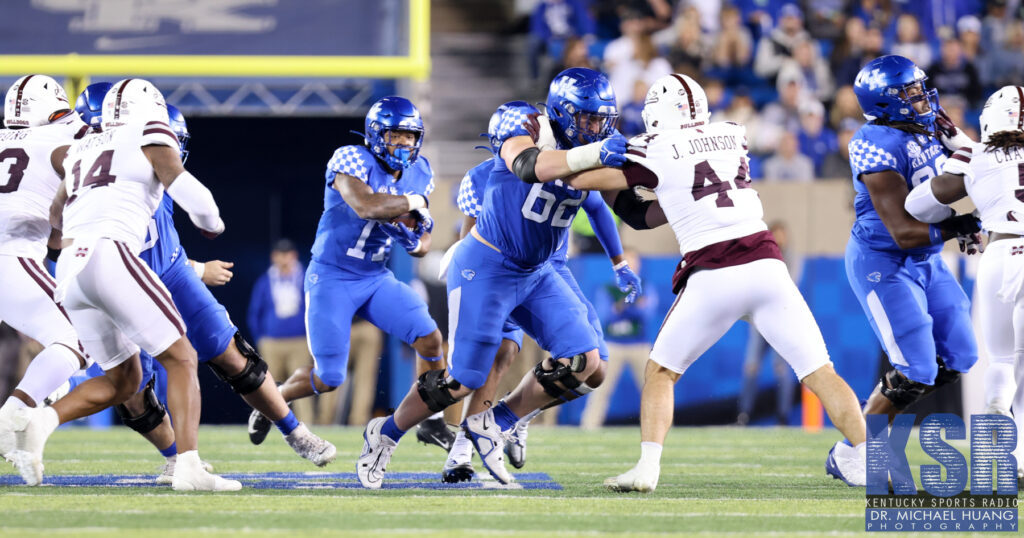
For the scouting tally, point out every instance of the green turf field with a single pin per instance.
(714, 482)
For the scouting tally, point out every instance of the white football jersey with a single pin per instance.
(28, 184)
(995, 183)
(112, 189)
(700, 176)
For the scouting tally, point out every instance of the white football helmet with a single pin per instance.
(34, 100)
(1004, 111)
(675, 102)
(133, 99)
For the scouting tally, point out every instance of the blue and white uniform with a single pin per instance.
(527, 225)
(470, 202)
(348, 274)
(916, 307)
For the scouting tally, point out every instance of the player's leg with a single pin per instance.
(996, 319)
(712, 301)
(756, 346)
(596, 409)
(952, 328)
(895, 304)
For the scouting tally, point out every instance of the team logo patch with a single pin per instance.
(875, 277)
(468, 274)
(313, 278)
(913, 149)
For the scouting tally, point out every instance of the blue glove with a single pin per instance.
(402, 236)
(426, 223)
(628, 282)
(613, 151)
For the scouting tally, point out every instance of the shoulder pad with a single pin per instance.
(352, 161)
(511, 122)
(160, 133)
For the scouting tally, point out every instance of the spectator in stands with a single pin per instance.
(816, 139)
(626, 329)
(788, 164)
(1003, 41)
(956, 107)
(732, 47)
(689, 50)
(552, 23)
(910, 43)
(825, 18)
(773, 49)
(709, 13)
(365, 344)
(849, 45)
(845, 106)
(874, 13)
(784, 114)
(741, 110)
(631, 123)
(575, 54)
(968, 29)
(645, 65)
(812, 67)
(718, 95)
(837, 164)
(276, 319)
(953, 74)
(872, 47)
(620, 49)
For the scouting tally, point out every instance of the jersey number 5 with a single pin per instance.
(704, 174)
(15, 170)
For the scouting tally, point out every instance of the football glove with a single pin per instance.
(403, 236)
(961, 225)
(426, 222)
(949, 134)
(613, 151)
(628, 282)
(971, 244)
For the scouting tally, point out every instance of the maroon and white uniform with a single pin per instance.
(117, 303)
(28, 184)
(732, 268)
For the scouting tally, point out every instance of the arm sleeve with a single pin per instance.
(351, 161)
(958, 163)
(469, 200)
(159, 133)
(603, 222)
(867, 157)
(923, 206)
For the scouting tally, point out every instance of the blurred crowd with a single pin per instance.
(784, 69)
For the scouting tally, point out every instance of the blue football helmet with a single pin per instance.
(393, 113)
(507, 121)
(90, 104)
(882, 88)
(180, 129)
(581, 103)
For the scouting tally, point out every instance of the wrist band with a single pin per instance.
(935, 234)
(199, 268)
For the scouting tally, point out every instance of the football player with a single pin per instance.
(458, 467)
(918, 311)
(41, 126)
(990, 173)
(217, 341)
(731, 269)
(502, 270)
(114, 182)
(367, 187)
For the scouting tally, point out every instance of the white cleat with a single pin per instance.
(8, 441)
(32, 426)
(640, 478)
(377, 450)
(996, 408)
(515, 446)
(189, 475)
(489, 442)
(311, 447)
(846, 463)
(167, 471)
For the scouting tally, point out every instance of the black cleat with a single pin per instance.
(435, 431)
(453, 473)
(259, 427)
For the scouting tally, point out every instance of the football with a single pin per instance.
(410, 219)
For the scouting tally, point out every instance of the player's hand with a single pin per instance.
(426, 222)
(613, 151)
(961, 225)
(532, 126)
(948, 133)
(217, 273)
(971, 244)
(401, 235)
(628, 282)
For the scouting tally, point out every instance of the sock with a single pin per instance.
(504, 417)
(439, 414)
(170, 451)
(530, 416)
(430, 359)
(288, 423)
(15, 402)
(391, 429)
(48, 371)
(847, 442)
(650, 454)
(462, 448)
(847, 451)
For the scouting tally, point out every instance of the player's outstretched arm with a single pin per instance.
(185, 189)
(636, 212)
(607, 233)
(532, 165)
(214, 272)
(928, 201)
(375, 205)
(888, 191)
(57, 206)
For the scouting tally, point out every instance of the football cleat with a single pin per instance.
(377, 450)
(455, 472)
(849, 467)
(489, 442)
(32, 427)
(515, 446)
(259, 427)
(311, 447)
(166, 477)
(435, 431)
(640, 478)
(189, 475)
(8, 441)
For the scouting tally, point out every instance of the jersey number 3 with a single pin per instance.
(15, 170)
(706, 182)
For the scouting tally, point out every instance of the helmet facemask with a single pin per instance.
(402, 154)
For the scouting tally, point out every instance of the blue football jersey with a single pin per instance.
(876, 148)
(528, 223)
(342, 238)
(162, 246)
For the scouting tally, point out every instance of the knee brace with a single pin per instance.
(152, 414)
(902, 391)
(560, 381)
(252, 375)
(436, 390)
